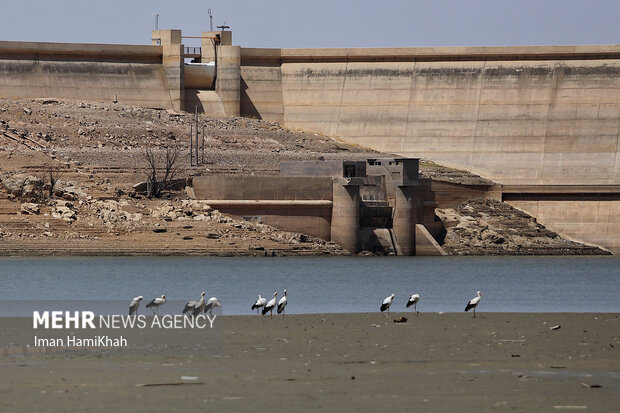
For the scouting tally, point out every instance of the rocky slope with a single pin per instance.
(67, 171)
(96, 152)
(489, 227)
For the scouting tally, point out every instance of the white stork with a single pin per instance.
(270, 305)
(413, 301)
(473, 303)
(387, 303)
(195, 306)
(156, 303)
(260, 302)
(135, 304)
(211, 304)
(282, 303)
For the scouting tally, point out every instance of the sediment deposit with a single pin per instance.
(345, 362)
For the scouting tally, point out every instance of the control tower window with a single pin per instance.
(349, 171)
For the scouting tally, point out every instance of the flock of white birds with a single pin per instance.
(195, 307)
(413, 301)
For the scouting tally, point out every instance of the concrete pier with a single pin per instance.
(405, 219)
(345, 228)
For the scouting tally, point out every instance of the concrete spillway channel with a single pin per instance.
(199, 75)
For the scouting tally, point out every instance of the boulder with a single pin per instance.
(22, 185)
(29, 208)
(64, 212)
(63, 203)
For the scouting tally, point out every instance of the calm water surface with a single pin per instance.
(316, 285)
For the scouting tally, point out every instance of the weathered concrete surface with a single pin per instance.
(227, 82)
(261, 92)
(425, 244)
(262, 188)
(305, 216)
(205, 101)
(345, 227)
(451, 195)
(594, 219)
(173, 64)
(516, 114)
(199, 76)
(261, 84)
(299, 205)
(513, 122)
(130, 74)
(80, 51)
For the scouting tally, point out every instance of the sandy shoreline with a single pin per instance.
(363, 362)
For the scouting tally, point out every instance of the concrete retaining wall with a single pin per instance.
(308, 217)
(262, 188)
(425, 244)
(300, 205)
(594, 219)
(451, 195)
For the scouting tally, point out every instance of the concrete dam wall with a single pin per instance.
(535, 116)
(130, 74)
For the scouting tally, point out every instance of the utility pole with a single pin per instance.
(191, 144)
(195, 144)
(210, 19)
(197, 160)
(156, 20)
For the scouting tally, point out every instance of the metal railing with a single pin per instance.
(192, 51)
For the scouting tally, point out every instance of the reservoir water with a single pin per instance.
(317, 285)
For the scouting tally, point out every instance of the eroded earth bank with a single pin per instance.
(95, 153)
